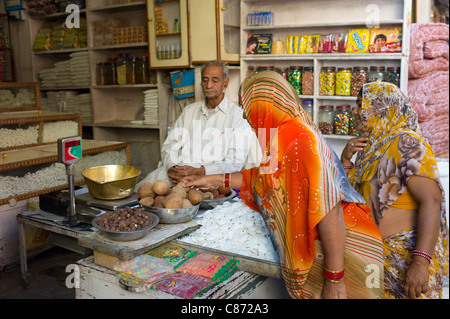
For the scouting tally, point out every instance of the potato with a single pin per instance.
(161, 187)
(180, 191)
(147, 201)
(186, 203)
(195, 196)
(173, 201)
(146, 190)
(224, 190)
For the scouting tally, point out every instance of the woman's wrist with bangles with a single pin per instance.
(334, 276)
(422, 254)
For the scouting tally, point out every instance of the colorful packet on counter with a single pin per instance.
(146, 268)
(174, 255)
(207, 265)
(385, 40)
(183, 285)
(358, 41)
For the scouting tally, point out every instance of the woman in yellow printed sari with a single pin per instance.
(396, 172)
(319, 225)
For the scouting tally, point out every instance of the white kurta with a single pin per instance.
(220, 139)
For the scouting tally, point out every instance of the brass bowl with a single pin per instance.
(111, 181)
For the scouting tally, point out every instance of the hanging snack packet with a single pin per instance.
(172, 254)
(313, 43)
(325, 44)
(385, 40)
(144, 267)
(338, 42)
(358, 41)
(183, 285)
(207, 265)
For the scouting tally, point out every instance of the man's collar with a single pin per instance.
(222, 106)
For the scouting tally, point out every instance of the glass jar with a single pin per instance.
(283, 72)
(308, 80)
(342, 120)
(251, 70)
(121, 67)
(359, 78)
(343, 81)
(295, 78)
(377, 73)
(142, 70)
(327, 81)
(393, 75)
(307, 105)
(131, 70)
(111, 72)
(100, 74)
(326, 119)
(265, 68)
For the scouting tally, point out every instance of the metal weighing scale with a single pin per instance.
(83, 208)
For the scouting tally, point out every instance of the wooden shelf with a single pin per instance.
(125, 124)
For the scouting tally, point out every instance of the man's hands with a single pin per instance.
(177, 173)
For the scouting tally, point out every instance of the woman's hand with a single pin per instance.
(332, 290)
(197, 181)
(416, 282)
(353, 145)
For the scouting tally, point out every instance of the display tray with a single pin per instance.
(157, 236)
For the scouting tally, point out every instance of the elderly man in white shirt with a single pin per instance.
(210, 136)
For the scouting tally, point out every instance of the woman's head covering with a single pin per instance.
(269, 100)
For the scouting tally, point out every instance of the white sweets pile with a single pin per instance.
(233, 227)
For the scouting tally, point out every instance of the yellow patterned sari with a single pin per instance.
(395, 151)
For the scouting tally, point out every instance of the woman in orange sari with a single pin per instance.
(322, 231)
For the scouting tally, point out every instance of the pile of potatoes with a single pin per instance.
(159, 194)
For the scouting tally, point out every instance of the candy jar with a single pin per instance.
(342, 120)
(326, 119)
(359, 78)
(327, 81)
(295, 78)
(343, 81)
(308, 80)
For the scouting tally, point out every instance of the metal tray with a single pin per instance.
(212, 203)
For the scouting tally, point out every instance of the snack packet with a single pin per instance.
(144, 268)
(325, 44)
(385, 40)
(358, 41)
(174, 255)
(183, 285)
(207, 265)
(312, 45)
(338, 42)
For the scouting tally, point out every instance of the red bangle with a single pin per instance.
(333, 276)
(421, 254)
(226, 180)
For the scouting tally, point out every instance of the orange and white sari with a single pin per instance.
(299, 181)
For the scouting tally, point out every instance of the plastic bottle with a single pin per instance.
(176, 26)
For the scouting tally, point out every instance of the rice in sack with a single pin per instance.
(207, 265)
(358, 41)
(183, 285)
(144, 268)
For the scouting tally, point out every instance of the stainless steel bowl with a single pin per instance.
(127, 235)
(174, 216)
(111, 181)
(211, 203)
